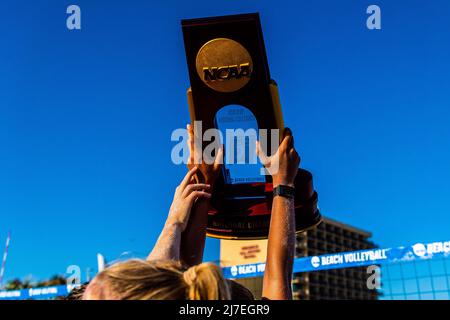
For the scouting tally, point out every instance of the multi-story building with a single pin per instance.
(329, 237)
(332, 237)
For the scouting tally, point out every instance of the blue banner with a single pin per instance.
(37, 293)
(349, 259)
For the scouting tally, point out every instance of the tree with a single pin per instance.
(18, 284)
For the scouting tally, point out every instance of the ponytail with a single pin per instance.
(159, 280)
(206, 282)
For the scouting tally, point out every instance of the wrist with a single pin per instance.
(282, 182)
(174, 225)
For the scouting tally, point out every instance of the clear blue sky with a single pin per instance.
(86, 118)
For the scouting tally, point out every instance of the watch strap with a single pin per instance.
(284, 191)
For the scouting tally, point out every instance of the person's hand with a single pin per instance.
(185, 196)
(207, 173)
(283, 165)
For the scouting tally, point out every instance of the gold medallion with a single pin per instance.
(224, 65)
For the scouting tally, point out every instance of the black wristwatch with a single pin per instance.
(284, 191)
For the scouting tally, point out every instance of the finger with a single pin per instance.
(294, 157)
(261, 154)
(294, 153)
(288, 133)
(196, 195)
(194, 187)
(219, 158)
(190, 142)
(195, 145)
(187, 178)
(190, 131)
(287, 143)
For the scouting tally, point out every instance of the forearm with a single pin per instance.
(193, 238)
(168, 245)
(280, 251)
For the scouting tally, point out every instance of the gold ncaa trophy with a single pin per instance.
(231, 85)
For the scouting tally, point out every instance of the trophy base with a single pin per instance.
(245, 209)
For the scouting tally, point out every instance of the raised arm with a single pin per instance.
(283, 166)
(193, 238)
(168, 245)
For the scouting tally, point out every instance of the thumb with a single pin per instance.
(219, 158)
(261, 154)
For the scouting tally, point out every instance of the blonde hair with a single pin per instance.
(161, 280)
